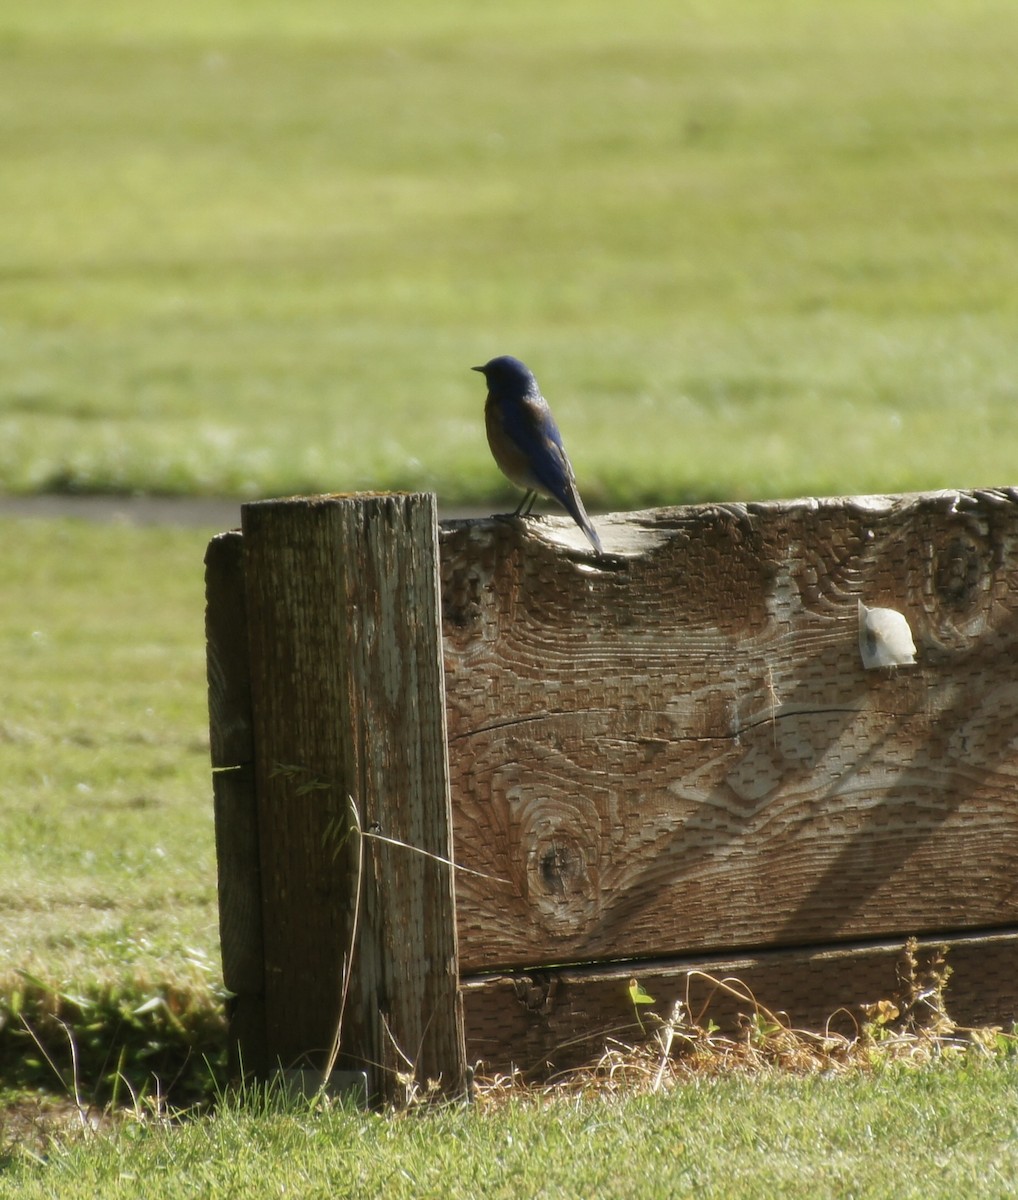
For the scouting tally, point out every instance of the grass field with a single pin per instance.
(251, 249)
(107, 864)
(749, 248)
(946, 1132)
(103, 748)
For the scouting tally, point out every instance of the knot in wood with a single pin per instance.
(957, 572)
(560, 844)
(462, 608)
(560, 864)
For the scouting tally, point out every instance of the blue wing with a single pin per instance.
(531, 427)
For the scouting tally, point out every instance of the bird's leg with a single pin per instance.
(530, 495)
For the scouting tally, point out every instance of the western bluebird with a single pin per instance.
(526, 442)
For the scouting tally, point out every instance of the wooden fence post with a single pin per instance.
(351, 777)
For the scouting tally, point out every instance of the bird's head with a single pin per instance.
(507, 375)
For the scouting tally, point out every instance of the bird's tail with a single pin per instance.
(574, 506)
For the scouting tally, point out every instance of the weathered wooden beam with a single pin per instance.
(236, 815)
(346, 683)
(673, 752)
(565, 1018)
(677, 749)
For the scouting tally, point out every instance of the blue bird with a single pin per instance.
(526, 442)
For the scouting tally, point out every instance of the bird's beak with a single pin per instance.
(481, 369)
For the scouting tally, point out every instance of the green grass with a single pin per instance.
(749, 249)
(107, 863)
(946, 1131)
(103, 747)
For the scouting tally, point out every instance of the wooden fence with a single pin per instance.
(671, 759)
